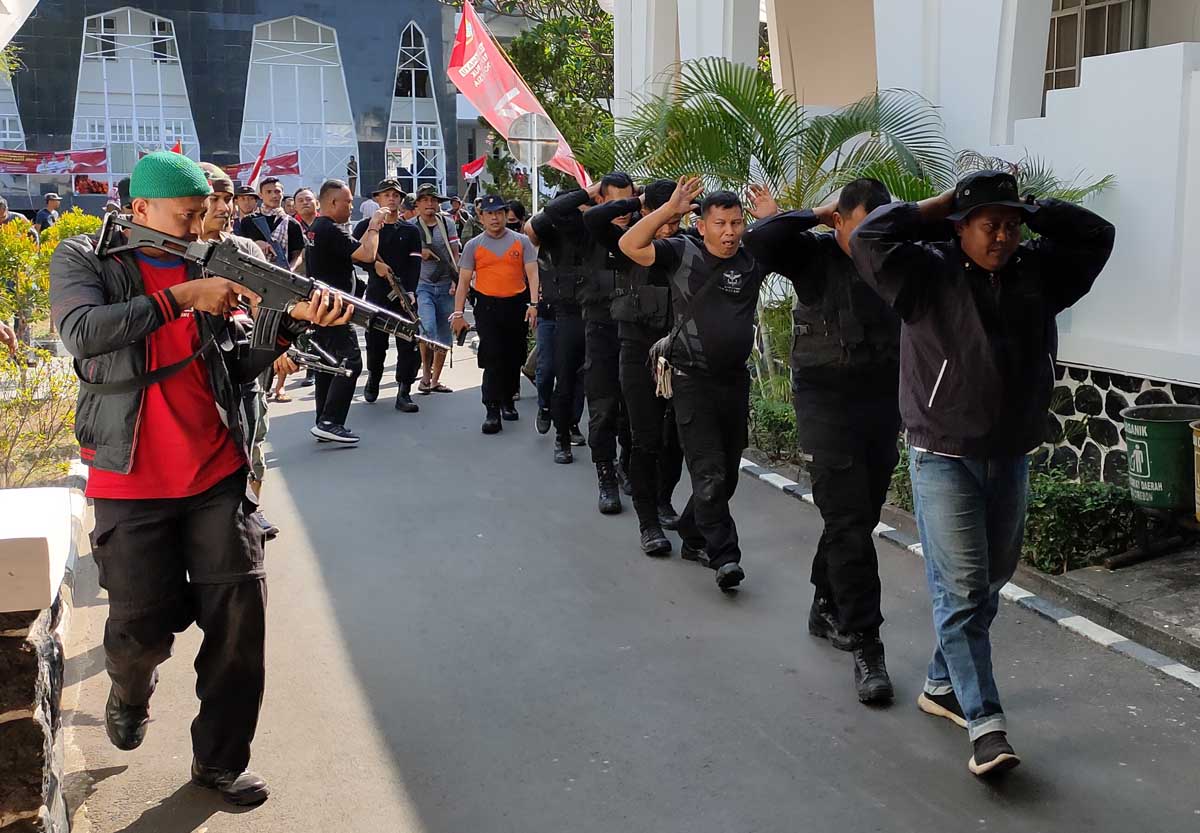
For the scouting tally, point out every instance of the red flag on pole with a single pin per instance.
(177, 148)
(254, 172)
(482, 73)
(473, 169)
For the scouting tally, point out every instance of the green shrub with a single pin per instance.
(900, 493)
(37, 419)
(1071, 525)
(773, 428)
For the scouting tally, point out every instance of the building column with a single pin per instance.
(646, 46)
(823, 53)
(981, 62)
(720, 28)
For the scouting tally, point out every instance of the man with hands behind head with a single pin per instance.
(714, 293)
(169, 456)
(845, 374)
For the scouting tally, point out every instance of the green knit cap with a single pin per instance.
(163, 174)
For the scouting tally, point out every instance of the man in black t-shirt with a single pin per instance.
(396, 269)
(282, 244)
(331, 259)
(714, 293)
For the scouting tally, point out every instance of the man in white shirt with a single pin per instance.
(368, 207)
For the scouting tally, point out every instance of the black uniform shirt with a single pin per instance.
(719, 334)
(330, 258)
(399, 248)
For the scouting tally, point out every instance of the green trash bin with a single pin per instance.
(1162, 469)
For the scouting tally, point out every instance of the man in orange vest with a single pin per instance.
(503, 264)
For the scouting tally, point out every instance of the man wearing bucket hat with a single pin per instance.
(161, 426)
(397, 267)
(978, 343)
(435, 289)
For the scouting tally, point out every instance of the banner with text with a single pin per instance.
(480, 70)
(91, 161)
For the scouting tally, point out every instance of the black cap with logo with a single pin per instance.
(987, 188)
(493, 202)
(388, 184)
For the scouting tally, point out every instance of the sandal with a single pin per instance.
(424, 388)
(440, 388)
(282, 397)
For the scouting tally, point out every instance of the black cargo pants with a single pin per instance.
(854, 453)
(171, 562)
(712, 414)
(655, 456)
(607, 420)
(408, 356)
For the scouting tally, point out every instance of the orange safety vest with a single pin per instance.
(500, 276)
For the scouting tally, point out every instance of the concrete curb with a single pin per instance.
(1014, 593)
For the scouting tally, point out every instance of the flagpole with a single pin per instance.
(534, 181)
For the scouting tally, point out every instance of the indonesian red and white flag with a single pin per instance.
(473, 169)
(257, 169)
(177, 148)
(482, 73)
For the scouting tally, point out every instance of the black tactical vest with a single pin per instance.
(564, 271)
(635, 301)
(851, 326)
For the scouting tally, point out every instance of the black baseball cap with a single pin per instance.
(987, 188)
(493, 202)
(245, 191)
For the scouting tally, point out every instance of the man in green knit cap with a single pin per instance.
(169, 457)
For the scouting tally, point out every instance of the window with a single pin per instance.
(91, 130)
(120, 131)
(174, 130)
(1084, 28)
(10, 129)
(148, 133)
(164, 40)
(99, 40)
(412, 70)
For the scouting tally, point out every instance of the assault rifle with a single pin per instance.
(323, 363)
(277, 287)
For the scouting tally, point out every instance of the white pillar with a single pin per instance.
(645, 48)
(981, 61)
(722, 28)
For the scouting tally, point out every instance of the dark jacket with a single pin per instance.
(642, 310)
(597, 277)
(564, 254)
(400, 249)
(844, 336)
(977, 348)
(103, 316)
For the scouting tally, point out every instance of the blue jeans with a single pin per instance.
(434, 305)
(544, 375)
(971, 517)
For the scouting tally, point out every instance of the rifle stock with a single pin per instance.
(276, 286)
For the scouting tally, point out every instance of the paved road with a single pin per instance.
(459, 643)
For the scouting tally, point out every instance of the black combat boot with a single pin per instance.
(371, 389)
(562, 451)
(404, 402)
(823, 624)
(610, 493)
(654, 542)
(870, 673)
(492, 424)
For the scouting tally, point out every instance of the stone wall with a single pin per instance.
(1085, 419)
(31, 745)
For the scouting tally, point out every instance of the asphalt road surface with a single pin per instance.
(460, 643)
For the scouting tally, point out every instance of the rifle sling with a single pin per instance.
(159, 374)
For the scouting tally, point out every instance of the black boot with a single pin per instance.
(126, 725)
(371, 389)
(623, 480)
(508, 412)
(310, 379)
(654, 542)
(823, 624)
(243, 788)
(562, 451)
(668, 518)
(610, 493)
(404, 402)
(543, 421)
(870, 673)
(492, 424)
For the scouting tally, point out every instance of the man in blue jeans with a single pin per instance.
(543, 377)
(977, 351)
(435, 288)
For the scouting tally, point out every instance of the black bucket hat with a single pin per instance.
(987, 188)
(388, 184)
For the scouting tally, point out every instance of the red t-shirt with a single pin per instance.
(180, 446)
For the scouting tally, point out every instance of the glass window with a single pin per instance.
(1081, 30)
(120, 130)
(148, 133)
(164, 40)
